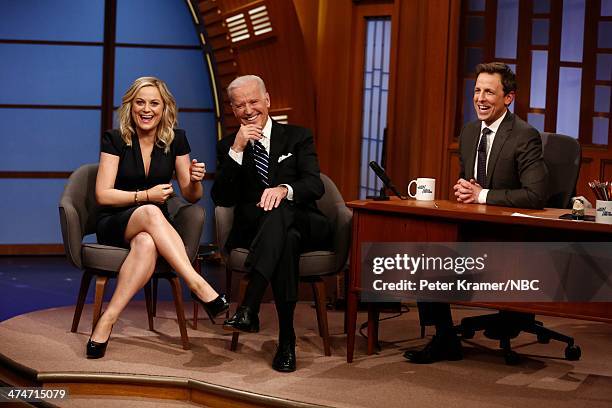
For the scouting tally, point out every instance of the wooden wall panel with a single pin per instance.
(280, 60)
(425, 92)
(333, 62)
(596, 165)
(587, 173)
(453, 171)
(422, 90)
(308, 15)
(606, 169)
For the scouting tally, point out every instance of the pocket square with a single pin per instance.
(284, 156)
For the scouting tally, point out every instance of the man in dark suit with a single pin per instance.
(270, 173)
(501, 163)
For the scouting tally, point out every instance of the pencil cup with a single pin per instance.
(604, 212)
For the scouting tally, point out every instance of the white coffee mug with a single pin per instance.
(603, 212)
(425, 189)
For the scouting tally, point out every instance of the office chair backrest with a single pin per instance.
(333, 206)
(80, 191)
(78, 202)
(562, 156)
(330, 199)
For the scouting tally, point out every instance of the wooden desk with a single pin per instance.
(448, 221)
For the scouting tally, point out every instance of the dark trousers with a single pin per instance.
(437, 314)
(282, 235)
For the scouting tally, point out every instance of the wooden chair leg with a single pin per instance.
(155, 281)
(373, 318)
(180, 312)
(149, 303)
(346, 296)
(85, 282)
(98, 299)
(318, 289)
(234, 344)
(243, 285)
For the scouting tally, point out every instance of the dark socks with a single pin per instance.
(255, 291)
(285, 312)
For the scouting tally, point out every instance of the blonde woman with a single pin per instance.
(133, 183)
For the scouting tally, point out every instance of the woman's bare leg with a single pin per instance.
(133, 275)
(150, 219)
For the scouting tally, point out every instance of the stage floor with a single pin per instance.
(41, 341)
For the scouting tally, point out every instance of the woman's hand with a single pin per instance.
(196, 171)
(189, 174)
(160, 193)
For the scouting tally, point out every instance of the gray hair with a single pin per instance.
(244, 79)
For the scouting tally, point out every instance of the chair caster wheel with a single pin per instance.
(512, 358)
(573, 353)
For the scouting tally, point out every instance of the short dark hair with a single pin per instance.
(508, 78)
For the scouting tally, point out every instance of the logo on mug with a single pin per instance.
(424, 189)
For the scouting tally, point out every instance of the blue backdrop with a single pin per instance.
(64, 75)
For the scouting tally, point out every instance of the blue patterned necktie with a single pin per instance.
(261, 162)
(481, 176)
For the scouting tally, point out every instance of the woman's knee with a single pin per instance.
(150, 213)
(144, 244)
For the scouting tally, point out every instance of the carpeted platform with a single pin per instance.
(42, 341)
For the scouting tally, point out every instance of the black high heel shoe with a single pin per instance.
(95, 349)
(213, 308)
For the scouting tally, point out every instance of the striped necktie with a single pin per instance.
(261, 162)
(481, 176)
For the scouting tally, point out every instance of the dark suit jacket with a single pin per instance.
(517, 175)
(240, 186)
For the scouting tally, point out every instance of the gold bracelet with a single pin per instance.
(136, 197)
(147, 191)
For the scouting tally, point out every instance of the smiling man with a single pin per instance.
(270, 173)
(501, 164)
(501, 155)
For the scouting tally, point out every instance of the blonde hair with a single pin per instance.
(165, 130)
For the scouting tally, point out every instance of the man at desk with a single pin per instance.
(501, 163)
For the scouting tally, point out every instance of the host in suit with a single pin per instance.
(270, 173)
(501, 163)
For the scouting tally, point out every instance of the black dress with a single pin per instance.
(112, 221)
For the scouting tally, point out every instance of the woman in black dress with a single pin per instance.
(133, 183)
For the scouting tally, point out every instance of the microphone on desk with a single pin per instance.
(384, 178)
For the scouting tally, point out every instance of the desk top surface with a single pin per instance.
(545, 218)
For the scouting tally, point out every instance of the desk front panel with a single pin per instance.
(446, 221)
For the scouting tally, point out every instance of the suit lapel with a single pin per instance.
(500, 138)
(277, 146)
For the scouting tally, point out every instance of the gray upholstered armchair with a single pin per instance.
(78, 211)
(313, 265)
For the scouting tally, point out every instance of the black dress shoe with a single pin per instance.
(244, 320)
(284, 359)
(95, 349)
(438, 349)
(213, 308)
